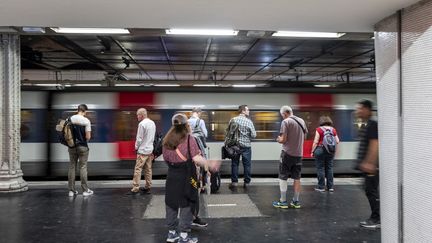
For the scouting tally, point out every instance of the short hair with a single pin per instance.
(196, 109)
(366, 104)
(286, 109)
(142, 111)
(242, 108)
(325, 121)
(82, 108)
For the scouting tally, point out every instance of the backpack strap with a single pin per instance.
(197, 123)
(304, 130)
(325, 130)
(182, 157)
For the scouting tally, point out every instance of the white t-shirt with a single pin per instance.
(145, 136)
(82, 121)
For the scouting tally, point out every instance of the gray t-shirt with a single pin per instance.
(294, 135)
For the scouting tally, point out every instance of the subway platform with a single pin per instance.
(45, 213)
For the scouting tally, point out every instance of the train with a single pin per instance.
(113, 117)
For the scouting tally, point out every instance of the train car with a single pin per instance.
(114, 127)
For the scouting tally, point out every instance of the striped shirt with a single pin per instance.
(366, 133)
(247, 130)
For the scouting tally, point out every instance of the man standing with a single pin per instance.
(367, 159)
(144, 148)
(292, 134)
(247, 132)
(81, 130)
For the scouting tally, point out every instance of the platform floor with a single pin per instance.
(240, 215)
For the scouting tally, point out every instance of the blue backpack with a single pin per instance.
(329, 140)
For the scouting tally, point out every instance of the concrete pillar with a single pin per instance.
(10, 117)
(403, 44)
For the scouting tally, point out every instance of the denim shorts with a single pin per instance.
(289, 166)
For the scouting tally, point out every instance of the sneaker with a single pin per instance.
(319, 189)
(73, 193)
(233, 185)
(199, 222)
(88, 193)
(295, 204)
(173, 236)
(331, 190)
(188, 239)
(371, 224)
(146, 190)
(279, 204)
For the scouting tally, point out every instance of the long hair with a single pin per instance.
(175, 136)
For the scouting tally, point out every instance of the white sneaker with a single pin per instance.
(72, 193)
(87, 193)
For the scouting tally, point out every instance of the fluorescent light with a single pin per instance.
(34, 30)
(244, 85)
(167, 85)
(200, 32)
(126, 85)
(308, 34)
(87, 85)
(205, 85)
(322, 85)
(90, 31)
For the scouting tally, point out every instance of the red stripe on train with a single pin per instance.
(132, 101)
(307, 102)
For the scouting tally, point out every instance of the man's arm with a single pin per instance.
(252, 130)
(370, 163)
(139, 136)
(282, 134)
(88, 131)
(203, 127)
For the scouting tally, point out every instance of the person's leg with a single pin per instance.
(147, 172)
(137, 172)
(283, 183)
(171, 217)
(247, 164)
(83, 153)
(234, 169)
(185, 219)
(296, 176)
(329, 171)
(319, 161)
(73, 159)
(372, 193)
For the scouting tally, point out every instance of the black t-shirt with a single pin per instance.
(366, 133)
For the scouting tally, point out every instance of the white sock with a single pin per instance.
(172, 231)
(283, 186)
(183, 235)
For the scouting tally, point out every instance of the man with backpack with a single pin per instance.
(246, 131)
(292, 135)
(144, 148)
(79, 151)
(324, 150)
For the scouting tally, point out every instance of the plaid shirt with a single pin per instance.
(247, 130)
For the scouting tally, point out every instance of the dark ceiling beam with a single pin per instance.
(72, 46)
(105, 42)
(348, 69)
(209, 43)
(40, 64)
(325, 50)
(127, 52)
(241, 58)
(343, 60)
(275, 59)
(167, 56)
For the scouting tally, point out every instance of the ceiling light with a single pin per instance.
(308, 34)
(322, 85)
(34, 30)
(205, 85)
(200, 32)
(90, 31)
(244, 85)
(88, 85)
(167, 85)
(127, 85)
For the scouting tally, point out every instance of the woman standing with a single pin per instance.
(182, 153)
(323, 157)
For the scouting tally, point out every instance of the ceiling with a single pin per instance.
(239, 59)
(301, 15)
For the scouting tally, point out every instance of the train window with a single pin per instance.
(26, 122)
(126, 123)
(311, 119)
(219, 123)
(267, 124)
(357, 123)
(204, 116)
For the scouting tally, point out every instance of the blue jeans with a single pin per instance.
(324, 165)
(246, 154)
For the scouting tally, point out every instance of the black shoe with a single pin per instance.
(245, 185)
(371, 224)
(132, 193)
(146, 190)
(233, 185)
(199, 222)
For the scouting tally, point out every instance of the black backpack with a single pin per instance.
(157, 145)
(329, 140)
(231, 148)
